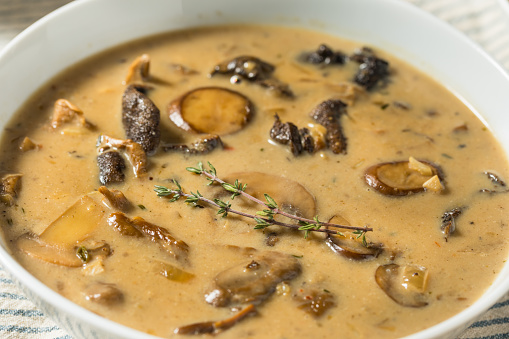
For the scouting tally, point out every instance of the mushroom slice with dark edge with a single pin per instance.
(401, 178)
(138, 70)
(313, 300)
(140, 118)
(371, 69)
(499, 185)
(254, 280)
(203, 145)
(405, 285)
(328, 114)
(350, 245)
(70, 256)
(215, 327)
(115, 199)
(173, 273)
(448, 226)
(134, 152)
(290, 196)
(104, 294)
(111, 167)
(324, 55)
(211, 110)
(66, 112)
(9, 188)
(138, 227)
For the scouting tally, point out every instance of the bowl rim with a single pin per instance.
(490, 297)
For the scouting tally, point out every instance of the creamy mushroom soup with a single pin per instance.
(371, 200)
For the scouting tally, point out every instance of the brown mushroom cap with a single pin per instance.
(212, 110)
(397, 178)
(405, 285)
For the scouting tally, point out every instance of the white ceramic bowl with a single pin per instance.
(85, 27)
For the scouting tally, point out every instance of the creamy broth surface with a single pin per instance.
(431, 124)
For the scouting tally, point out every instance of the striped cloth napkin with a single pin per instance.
(484, 21)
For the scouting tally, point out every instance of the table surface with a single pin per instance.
(485, 21)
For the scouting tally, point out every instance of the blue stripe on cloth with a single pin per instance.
(496, 321)
(501, 304)
(64, 337)
(24, 313)
(6, 281)
(495, 336)
(12, 296)
(28, 330)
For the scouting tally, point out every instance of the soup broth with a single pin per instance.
(432, 250)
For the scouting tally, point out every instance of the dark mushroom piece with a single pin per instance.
(287, 133)
(134, 152)
(448, 225)
(371, 69)
(325, 55)
(498, 184)
(140, 118)
(328, 114)
(111, 167)
(211, 110)
(215, 327)
(400, 178)
(405, 285)
(252, 281)
(104, 294)
(203, 145)
(313, 300)
(351, 247)
(255, 70)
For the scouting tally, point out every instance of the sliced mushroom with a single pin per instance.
(111, 167)
(9, 188)
(211, 110)
(254, 280)
(328, 114)
(75, 224)
(104, 294)
(215, 327)
(59, 255)
(122, 224)
(287, 133)
(202, 145)
(313, 300)
(398, 178)
(134, 152)
(291, 196)
(405, 285)
(499, 185)
(140, 118)
(115, 199)
(138, 227)
(65, 112)
(139, 69)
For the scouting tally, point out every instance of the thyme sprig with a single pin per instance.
(263, 218)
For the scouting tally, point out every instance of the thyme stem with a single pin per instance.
(214, 178)
(194, 198)
(265, 218)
